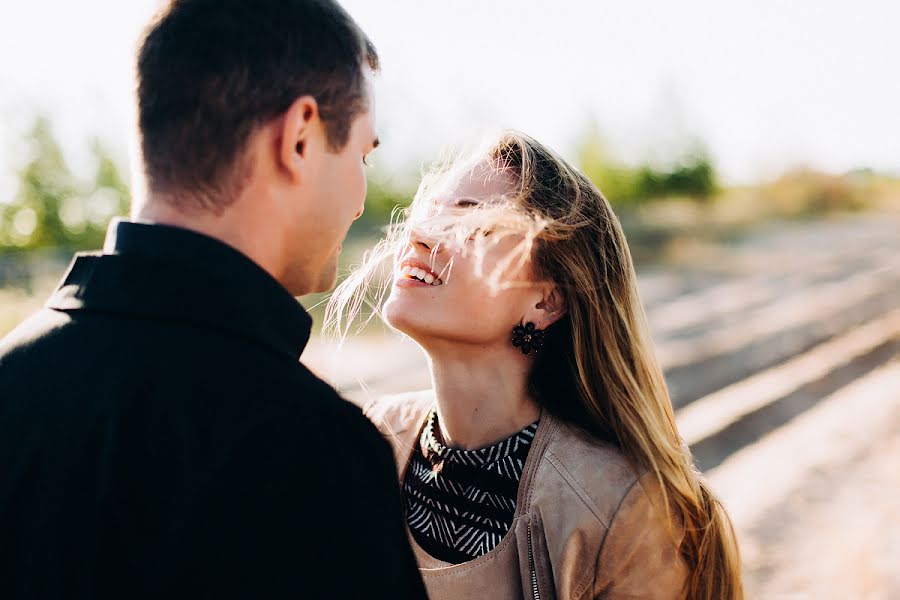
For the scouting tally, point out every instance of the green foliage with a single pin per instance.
(626, 186)
(618, 182)
(695, 178)
(54, 208)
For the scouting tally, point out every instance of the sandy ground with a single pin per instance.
(816, 503)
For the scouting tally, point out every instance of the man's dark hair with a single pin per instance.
(210, 71)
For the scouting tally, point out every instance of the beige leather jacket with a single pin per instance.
(583, 528)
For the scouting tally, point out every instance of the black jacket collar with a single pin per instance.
(172, 274)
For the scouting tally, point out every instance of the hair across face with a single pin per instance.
(467, 234)
(475, 247)
(210, 71)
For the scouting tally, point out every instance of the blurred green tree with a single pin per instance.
(626, 187)
(618, 182)
(694, 177)
(55, 209)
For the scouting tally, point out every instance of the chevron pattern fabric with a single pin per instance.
(460, 503)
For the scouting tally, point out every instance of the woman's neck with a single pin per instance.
(482, 396)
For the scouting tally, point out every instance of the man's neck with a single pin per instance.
(482, 395)
(230, 226)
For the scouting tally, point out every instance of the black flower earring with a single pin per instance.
(526, 338)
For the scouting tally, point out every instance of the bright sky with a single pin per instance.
(764, 84)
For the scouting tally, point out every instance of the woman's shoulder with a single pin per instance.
(586, 471)
(603, 521)
(397, 413)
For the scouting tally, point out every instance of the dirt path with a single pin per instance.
(817, 503)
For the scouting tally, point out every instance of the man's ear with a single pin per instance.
(298, 128)
(550, 309)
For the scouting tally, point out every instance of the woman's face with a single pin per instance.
(477, 287)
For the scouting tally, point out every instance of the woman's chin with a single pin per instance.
(396, 316)
(410, 322)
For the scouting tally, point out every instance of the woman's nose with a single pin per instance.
(419, 242)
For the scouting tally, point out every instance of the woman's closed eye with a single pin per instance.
(480, 232)
(465, 203)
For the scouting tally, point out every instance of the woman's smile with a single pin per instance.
(414, 273)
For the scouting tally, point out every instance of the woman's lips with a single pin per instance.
(417, 272)
(405, 282)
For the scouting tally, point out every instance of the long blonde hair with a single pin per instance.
(597, 370)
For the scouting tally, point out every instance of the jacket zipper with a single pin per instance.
(534, 582)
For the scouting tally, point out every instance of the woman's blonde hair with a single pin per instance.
(597, 369)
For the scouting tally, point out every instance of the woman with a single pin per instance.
(545, 462)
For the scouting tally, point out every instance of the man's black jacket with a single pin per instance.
(160, 438)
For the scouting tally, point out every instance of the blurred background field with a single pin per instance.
(750, 153)
(675, 217)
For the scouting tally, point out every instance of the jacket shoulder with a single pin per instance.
(588, 472)
(398, 413)
(33, 331)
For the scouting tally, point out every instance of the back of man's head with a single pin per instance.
(209, 72)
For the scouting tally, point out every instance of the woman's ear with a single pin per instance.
(299, 125)
(551, 308)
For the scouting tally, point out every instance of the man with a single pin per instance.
(158, 434)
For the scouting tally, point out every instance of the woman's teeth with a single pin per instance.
(420, 274)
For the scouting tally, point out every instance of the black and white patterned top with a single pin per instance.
(460, 503)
